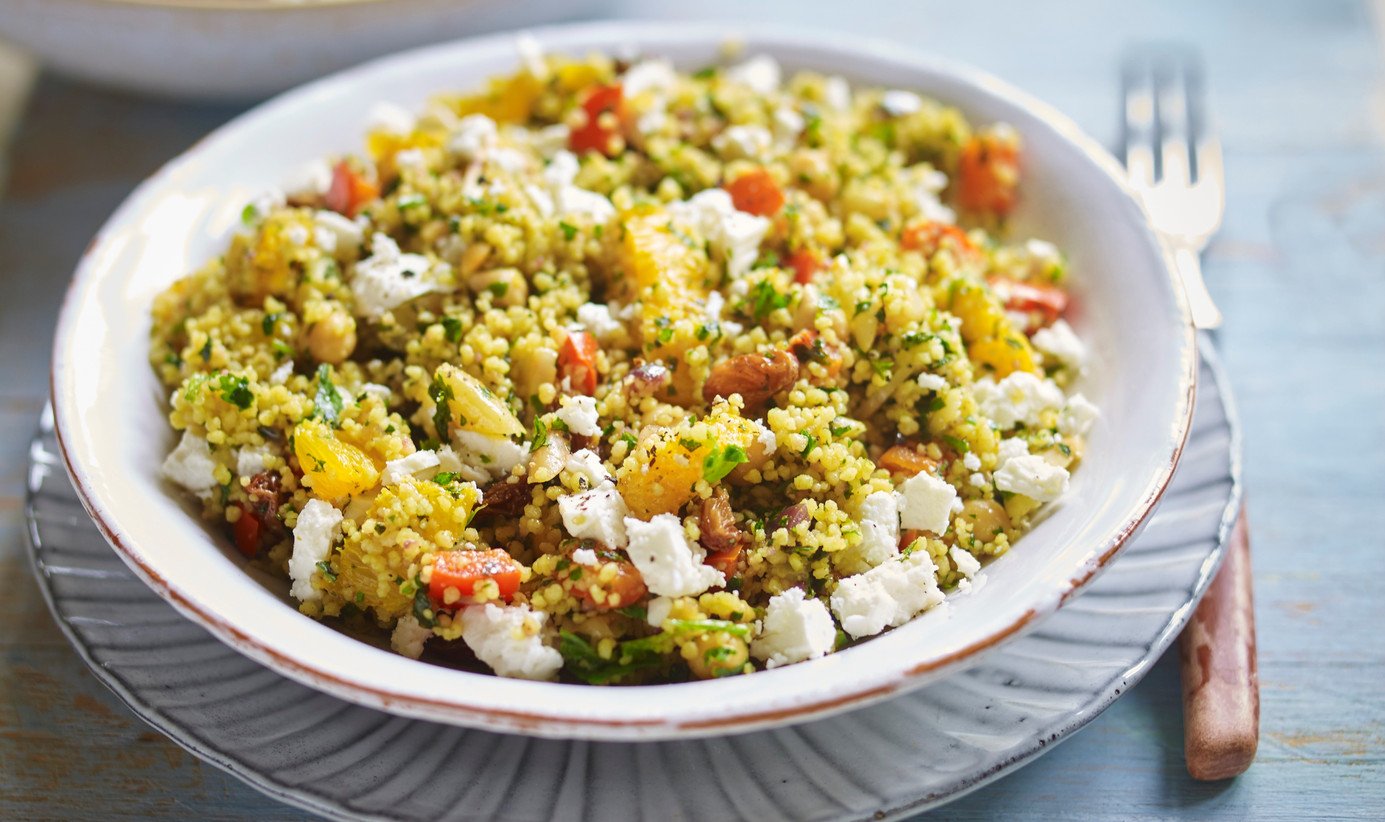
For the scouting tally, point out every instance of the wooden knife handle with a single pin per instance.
(1221, 687)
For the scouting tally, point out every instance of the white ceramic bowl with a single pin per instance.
(246, 49)
(110, 418)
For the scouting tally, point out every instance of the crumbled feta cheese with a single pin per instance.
(509, 639)
(507, 159)
(1060, 343)
(297, 234)
(597, 319)
(795, 629)
(1019, 398)
(736, 235)
(587, 464)
(887, 596)
(408, 637)
(598, 514)
(761, 73)
(648, 75)
(531, 55)
(925, 503)
(391, 118)
(966, 564)
(670, 565)
(542, 200)
(190, 465)
(562, 170)
(836, 92)
(375, 389)
(387, 278)
(897, 103)
(765, 437)
(927, 184)
(579, 414)
(572, 201)
(879, 527)
(252, 459)
(1021, 320)
(971, 462)
(1033, 476)
(931, 382)
(652, 121)
(314, 178)
(788, 124)
(411, 159)
(585, 556)
(978, 480)
(743, 142)
(281, 374)
(1078, 416)
(396, 470)
(549, 140)
(1010, 448)
(313, 536)
(263, 203)
(657, 610)
(475, 133)
(335, 233)
(495, 456)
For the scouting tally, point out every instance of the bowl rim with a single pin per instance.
(557, 723)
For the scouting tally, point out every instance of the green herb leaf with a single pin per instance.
(440, 392)
(327, 571)
(540, 438)
(249, 215)
(569, 230)
(235, 390)
(764, 299)
(327, 402)
(268, 322)
(812, 444)
(958, 444)
(452, 329)
(719, 463)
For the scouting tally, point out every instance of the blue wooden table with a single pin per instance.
(1299, 95)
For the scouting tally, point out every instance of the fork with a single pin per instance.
(1175, 164)
(1174, 161)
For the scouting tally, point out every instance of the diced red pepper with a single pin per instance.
(464, 570)
(593, 135)
(725, 560)
(1031, 298)
(756, 192)
(246, 531)
(577, 361)
(349, 190)
(805, 264)
(989, 172)
(908, 460)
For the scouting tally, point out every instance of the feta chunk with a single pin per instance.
(648, 75)
(572, 201)
(966, 564)
(387, 278)
(509, 639)
(760, 73)
(252, 459)
(335, 233)
(927, 184)
(586, 557)
(1009, 448)
(765, 437)
(190, 465)
(879, 527)
(795, 629)
(1033, 476)
(542, 200)
(475, 133)
(314, 178)
(1019, 398)
(1078, 416)
(925, 503)
(511, 160)
(971, 462)
(396, 470)
(898, 103)
(670, 565)
(887, 596)
(788, 125)
(561, 171)
(931, 382)
(836, 92)
(411, 159)
(743, 142)
(408, 637)
(598, 514)
(735, 235)
(587, 464)
(657, 610)
(313, 536)
(550, 140)
(494, 456)
(1061, 344)
(579, 414)
(597, 319)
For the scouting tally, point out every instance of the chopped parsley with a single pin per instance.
(764, 299)
(808, 449)
(235, 390)
(452, 329)
(327, 402)
(268, 322)
(440, 392)
(569, 230)
(327, 571)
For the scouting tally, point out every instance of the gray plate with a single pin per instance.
(909, 754)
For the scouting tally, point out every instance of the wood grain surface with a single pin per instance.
(1298, 88)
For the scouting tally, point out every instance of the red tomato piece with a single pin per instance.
(577, 361)
(989, 173)
(349, 190)
(927, 237)
(593, 135)
(755, 192)
(805, 264)
(246, 531)
(1031, 298)
(463, 570)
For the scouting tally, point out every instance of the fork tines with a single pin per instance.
(1166, 135)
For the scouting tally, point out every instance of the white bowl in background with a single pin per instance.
(246, 49)
(111, 420)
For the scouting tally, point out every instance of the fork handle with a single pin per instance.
(1205, 313)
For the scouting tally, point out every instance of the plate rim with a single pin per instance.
(566, 725)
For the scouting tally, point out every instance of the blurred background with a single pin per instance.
(96, 94)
